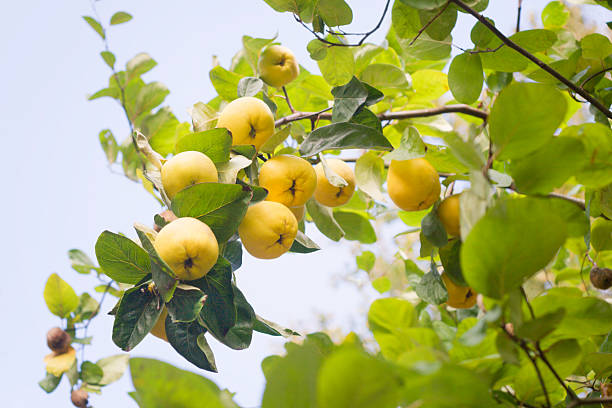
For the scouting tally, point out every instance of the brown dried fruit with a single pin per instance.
(168, 216)
(58, 340)
(606, 392)
(79, 398)
(601, 278)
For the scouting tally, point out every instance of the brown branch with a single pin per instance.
(534, 59)
(288, 101)
(594, 75)
(339, 44)
(518, 15)
(442, 10)
(592, 401)
(418, 113)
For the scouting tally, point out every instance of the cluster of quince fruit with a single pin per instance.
(269, 227)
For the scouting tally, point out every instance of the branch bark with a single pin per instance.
(580, 91)
(418, 113)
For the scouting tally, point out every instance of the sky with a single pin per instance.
(59, 193)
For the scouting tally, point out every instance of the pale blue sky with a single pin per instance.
(59, 194)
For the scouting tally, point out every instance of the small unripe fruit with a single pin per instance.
(601, 278)
(79, 398)
(58, 340)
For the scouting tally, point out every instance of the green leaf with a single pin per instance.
(249, 86)
(433, 230)
(267, 327)
(186, 304)
(596, 46)
(120, 17)
(162, 129)
(411, 146)
(369, 175)
(597, 140)
(109, 145)
(95, 25)
(406, 20)
(540, 327)
(113, 368)
(518, 129)
(389, 314)
(443, 24)
(80, 261)
(555, 15)
(214, 143)
(480, 35)
(218, 313)
(507, 60)
(467, 152)
(550, 166)
(159, 384)
(189, 341)
(365, 261)
(164, 278)
(277, 138)
(139, 309)
(240, 335)
(497, 81)
(91, 373)
(465, 77)
(424, 4)
(317, 49)
(225, 82)
(449, 255)
(600, 363)
(347, 99)
(303, 245)
(59, 296)
(431, 289)
(140, 64)
(356, 226)
(338, 66)
(87, 308)
(340, 136)
(121, 258)
(109, 58)
(233, 253)
(352, 379)
(513, 240)
(49, 383)
(384, 76)
(220, 206)
(323, 218)
(296, 371)
(335, 12)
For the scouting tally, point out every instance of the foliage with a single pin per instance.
(534, 168)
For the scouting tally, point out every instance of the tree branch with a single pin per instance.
(518, 15)
(592, 401)
(418, 113)
(534, 59)
(288, 101)
(339, 44)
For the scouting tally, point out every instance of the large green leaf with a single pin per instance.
(465, 77)
(347, 99)
(335, 12)
(513, 240)
(356, 226)
(506, 59)
(550, 166)
(239, 336)
(139, 309)
(323, 218)
(384, 76)
(161, 130)
(159, 384)
(121, 258)
(338, 66)
(113, 367)
(219, 312)
(220, 206)
(352, 379)
(225, 82)
(597, 140)
(441, 21)
(214, 143)
(186, 304)
(424, 4)
(520, 128)
(189, 341)
(340, 136)
(59, 296)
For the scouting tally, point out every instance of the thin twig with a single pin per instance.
(518, 15)
(417, 113)
(94, 314)
(592, 401)
(287, 100)
(340, 44)
(442, 10)
(534, 59)
(594, 75)
(543, 357)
